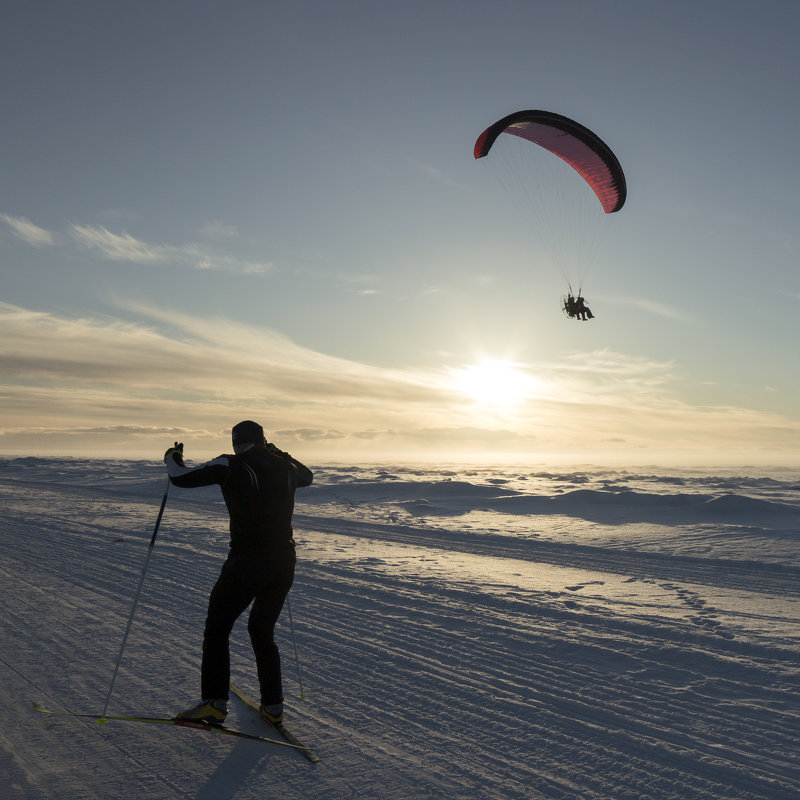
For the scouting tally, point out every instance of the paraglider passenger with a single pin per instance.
(582, 311)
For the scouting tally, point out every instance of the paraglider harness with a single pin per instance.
(574, 306)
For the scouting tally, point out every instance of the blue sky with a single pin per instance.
(214, 211)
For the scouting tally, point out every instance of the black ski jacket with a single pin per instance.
(258, 487)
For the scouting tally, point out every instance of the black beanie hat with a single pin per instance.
(247, 432)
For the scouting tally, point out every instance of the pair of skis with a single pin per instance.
(288, 738)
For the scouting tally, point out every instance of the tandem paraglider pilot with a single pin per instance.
(576, 308)
(258, 484)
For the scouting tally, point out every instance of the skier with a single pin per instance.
(258, 484)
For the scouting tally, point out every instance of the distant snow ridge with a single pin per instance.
(454, 497)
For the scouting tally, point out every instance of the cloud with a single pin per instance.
(649, 306)
(434, 174)
(636, 372)
(24, 229)
(123, 247)
(60, 371)
(217, 229)
(74, 384)
(118, 247)
(201, 258)
(308, 434)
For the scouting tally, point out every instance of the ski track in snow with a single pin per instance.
(438, 662)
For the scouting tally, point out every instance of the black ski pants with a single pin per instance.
(264, 581)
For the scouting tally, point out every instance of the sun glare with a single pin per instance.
(495, 383)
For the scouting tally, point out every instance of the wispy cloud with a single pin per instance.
(131, 386)
(124, 247)
(435, 174)
(119, 246)
(24, 229)
(66, 371)
(607, 367)
(217, 229)
(650, 306)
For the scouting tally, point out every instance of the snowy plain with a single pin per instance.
(496, 633)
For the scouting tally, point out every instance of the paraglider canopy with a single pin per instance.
(583, 150)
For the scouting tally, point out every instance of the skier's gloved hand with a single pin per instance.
(175, 453)
(274, 451)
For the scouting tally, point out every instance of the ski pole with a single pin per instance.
(136, 596)
(296, 657)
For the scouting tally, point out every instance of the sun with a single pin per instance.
(495, 383)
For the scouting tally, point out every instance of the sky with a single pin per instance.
(215, 211)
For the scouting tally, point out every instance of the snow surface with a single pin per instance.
(461, 632)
